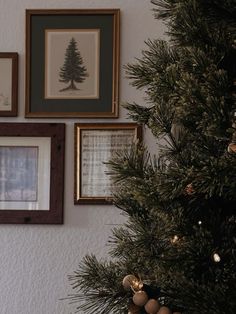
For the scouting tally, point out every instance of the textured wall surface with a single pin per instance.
(35, 259)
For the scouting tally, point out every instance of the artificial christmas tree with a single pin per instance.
(176, 252)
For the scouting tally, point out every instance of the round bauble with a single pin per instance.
(164, 310)
(231, 148)
(140, 298)
(152, 306)
(128, 281)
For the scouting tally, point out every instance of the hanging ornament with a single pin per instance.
(231, 148)
(129, 281)
(152, 306)
(216, 257)
(137, 285)
(164, 310)
(189, 189)
(140, 298)
(134, 309)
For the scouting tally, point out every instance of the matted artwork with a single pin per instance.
(72, 63)
(8, 83)
(31, 172)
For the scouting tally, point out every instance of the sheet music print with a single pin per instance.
(98, 146)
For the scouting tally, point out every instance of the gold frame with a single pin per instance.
(90, 147)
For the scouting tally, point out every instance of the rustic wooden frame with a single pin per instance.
(56, 134)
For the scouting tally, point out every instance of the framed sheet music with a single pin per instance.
(95, 144)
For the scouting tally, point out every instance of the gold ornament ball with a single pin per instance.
(140, 298)
(152, 306)
(164, 310)
(128, 280)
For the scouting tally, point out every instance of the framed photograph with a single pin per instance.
(31, 172)
(72, 63)
(8, 84)
(96, 144)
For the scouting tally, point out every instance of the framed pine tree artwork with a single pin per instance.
(72, 63)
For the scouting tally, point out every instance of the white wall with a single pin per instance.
(36, 259)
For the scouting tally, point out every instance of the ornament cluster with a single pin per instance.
(141, 299)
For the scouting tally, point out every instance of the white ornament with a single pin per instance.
(164, 310)
(152, 306)
(140, 298)
(128, 281)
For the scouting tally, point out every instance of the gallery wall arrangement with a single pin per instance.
(72, 71)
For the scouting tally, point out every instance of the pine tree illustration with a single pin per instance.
(73, 71)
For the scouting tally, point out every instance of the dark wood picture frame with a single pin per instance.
(9, 72)
(92, 142)
(51, 173)
(48, 37)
